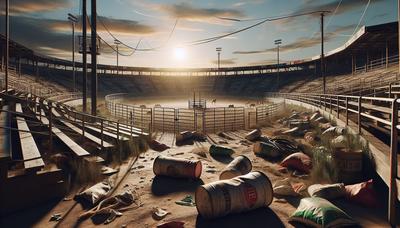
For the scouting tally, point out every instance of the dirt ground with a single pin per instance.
(162, 192)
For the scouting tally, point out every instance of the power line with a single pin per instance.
(212, 39)
(362, 17)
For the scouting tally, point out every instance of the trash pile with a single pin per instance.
(188, 138)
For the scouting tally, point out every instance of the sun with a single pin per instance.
(180, 53)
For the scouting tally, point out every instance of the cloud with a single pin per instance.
(185, 11)
(225, 61)
(30, 6)
(117, 26)
(302, 42)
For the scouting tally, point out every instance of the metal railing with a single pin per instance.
(184, 119)
(354, 108)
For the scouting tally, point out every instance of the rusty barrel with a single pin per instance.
(349, 164)
(239, 166)
(176, 167)
(239, 194)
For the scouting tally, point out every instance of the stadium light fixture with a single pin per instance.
(117, 43)
(277, 43)
(73, 21)
(218, 49)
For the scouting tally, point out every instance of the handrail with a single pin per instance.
(325, 101)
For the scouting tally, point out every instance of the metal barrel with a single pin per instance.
(176, 167)
(239, 194)
(239, 166)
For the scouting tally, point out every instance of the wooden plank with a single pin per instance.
(79, 131)
(5, 136)
(372, 107)
(78, 150)
(30, 152)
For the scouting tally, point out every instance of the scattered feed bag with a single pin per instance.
(315, 116)
(274, 147)
(284, 188)
(239, 194)
(224, 135)
(320, 119)
(333, 131)
(301, 124)
(311, 138)
(177, 167)
(296, 131)
(340, 142)
(327, 191)
(298, 161)
(157, 146)
(253, 135)
(95, 193)
(363, 193)
(239, 166)
(220, 150)
(318, 212)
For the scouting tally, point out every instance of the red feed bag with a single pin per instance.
(363, 194)
(298, 161)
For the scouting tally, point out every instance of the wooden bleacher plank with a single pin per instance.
(79, 131)
(5, 149)
(78, 150)
(30, 152)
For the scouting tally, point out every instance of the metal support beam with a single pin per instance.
(393, 191)
(94, 59)
(84, 60)
(7, 43)
(322, 55)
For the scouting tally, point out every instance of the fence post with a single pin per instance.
(83, 125)
(130, 113)
(330, 105)
(390, 90)
(101, 135)
(359, 115)
(337, 106)
(347, 111)
(50, 128)
(393, 165)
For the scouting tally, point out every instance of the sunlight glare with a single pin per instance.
(179, 53)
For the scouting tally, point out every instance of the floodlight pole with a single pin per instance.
(94, 58)
(398, 22)
(277, 43)
(73, 20)
(84, 60)
(117, 43)
(7, 44)
(322, 55)
(218, 49)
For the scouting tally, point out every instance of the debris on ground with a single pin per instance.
(111, 207)
(187, 201)
(241, 165)
(284, 188)
(319, 212)
(298, 161)
(157, 146)
(95, 193)
(253, 135)
(159, 213)
(327, 191)
(177, 167)
(224, 135)
(56, 217)
(171, 224)
(105, 170)
(274, 148)
(334, 131)
(221, 150)
(363, 193)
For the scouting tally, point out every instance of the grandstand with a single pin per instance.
(41, 129)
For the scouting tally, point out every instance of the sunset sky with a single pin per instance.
(166, 29)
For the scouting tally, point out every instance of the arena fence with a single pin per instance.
(365, 112)
(183, 119)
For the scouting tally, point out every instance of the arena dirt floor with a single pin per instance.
(162, 192)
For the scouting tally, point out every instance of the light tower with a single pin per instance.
(218, 49)
(277, 43)
(117, 43)
(73, 21)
